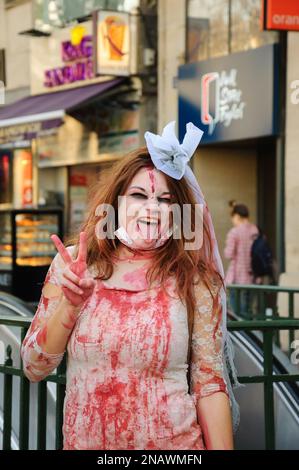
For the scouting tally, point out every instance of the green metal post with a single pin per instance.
(291, 316)
(60, 394)
(7, 404)
(42, 416)
(24, 406)
(268, 391)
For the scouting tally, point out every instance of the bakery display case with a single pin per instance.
(26, 250)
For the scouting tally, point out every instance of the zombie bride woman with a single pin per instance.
(141, 312)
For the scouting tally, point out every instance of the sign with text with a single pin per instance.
(80, 55)
(29, 130)
(280, 15)
(63, 60)
(231, 97)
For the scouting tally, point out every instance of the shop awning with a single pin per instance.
(47, 109)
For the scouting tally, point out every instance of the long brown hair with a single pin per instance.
(171, 259)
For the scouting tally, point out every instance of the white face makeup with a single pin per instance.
(144, 211)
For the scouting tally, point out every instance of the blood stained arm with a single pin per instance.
(67, 286)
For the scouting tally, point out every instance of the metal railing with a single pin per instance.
(268, 328)
(10, 371)
(259, 298)
(258, 302)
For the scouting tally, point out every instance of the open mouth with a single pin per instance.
(148, 222)
(148, 228)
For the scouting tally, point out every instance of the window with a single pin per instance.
(57, 13)
(246, 31)
(219, 27)
(207, 29)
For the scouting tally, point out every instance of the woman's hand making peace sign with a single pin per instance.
(76, 282)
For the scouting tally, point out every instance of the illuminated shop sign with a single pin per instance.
(106, 45)
(112, 42)
(110, 39)
(231, 97)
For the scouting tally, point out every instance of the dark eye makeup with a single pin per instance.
(139, 195)
(144, 196)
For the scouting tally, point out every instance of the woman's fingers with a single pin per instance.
(82, 253)
(74, 299)
(61, 249)
(75, 280)
(71, 279)
(70, 285)
(86, 283)
(69, 274)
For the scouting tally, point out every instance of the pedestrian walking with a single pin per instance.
(237, 249)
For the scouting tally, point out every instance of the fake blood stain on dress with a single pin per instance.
(126, 372)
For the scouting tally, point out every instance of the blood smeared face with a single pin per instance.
(144, 211)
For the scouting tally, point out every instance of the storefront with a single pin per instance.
(84, 113)
(92, 137)
(52, 157)
(38, 134)
(235, 99)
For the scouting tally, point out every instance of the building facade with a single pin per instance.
(258, 170)
(207, 42)
(80, 91)
(51, 54)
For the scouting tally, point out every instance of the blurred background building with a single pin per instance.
(219, 69)
(80, 90)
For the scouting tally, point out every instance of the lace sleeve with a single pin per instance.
(37, 363)
(206, 371)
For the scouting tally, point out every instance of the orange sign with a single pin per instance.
(280, 15)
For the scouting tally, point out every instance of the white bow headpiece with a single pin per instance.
(167, 154)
